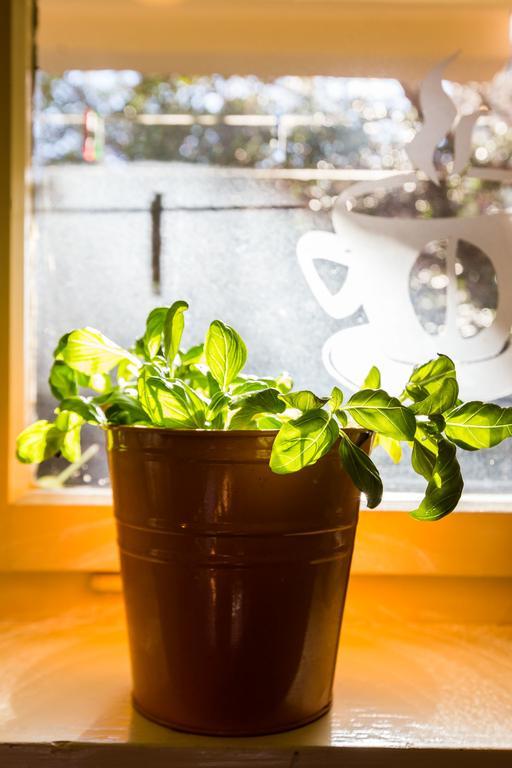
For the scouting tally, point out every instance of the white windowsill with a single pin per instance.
(424, 665)
(395, 501)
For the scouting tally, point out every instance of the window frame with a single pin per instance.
(341, 40)
(73, 530)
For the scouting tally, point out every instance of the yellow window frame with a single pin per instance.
(45, 530)
(376, 38)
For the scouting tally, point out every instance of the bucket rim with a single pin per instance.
(209, 433)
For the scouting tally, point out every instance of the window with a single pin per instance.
(72, 529)
(151, 188)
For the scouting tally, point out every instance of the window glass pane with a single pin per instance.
(227, 173)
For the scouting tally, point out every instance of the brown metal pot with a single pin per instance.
(234, 577)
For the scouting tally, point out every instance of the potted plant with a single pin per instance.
(236, 501)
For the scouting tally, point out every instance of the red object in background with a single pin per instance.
(92, 147)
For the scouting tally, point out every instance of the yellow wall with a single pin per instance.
(400, 39)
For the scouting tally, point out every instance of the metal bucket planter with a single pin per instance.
(234, 577)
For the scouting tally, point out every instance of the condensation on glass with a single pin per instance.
(154, 188)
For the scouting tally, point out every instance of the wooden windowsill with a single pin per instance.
(424, 665)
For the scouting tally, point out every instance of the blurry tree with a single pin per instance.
(337, 136)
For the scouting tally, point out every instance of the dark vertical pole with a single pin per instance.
(156, 242)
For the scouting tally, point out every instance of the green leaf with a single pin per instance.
(219, 421)
(127, 372)
(372, 380)
(267, 401)
(442, 396)
(170, 403)
(197, 379)
(138, 348)
(61, 344)
(89, 351)
(65, 382)
(376, 410)
(436, 424)
(416, 393)
(174, 324)
(423, 460)
(248, 386)
(303, 400)
(284, 383)
(391, 446)
(123, 408)
(31, 444)
(225, 352)
(101, 382)
(43, 439)
(218, 404)
(242, 420)
(152, 339)
(62, 380)
(85, 408)
(244, 384)
(212, 384)
(147, 394)
(476, 425)
(301, 442)
(427, 435)
(193, 355)
(268, 422)
(432, 373)
(66, 435)
(361, 470)
(445, 486)
(335, 399)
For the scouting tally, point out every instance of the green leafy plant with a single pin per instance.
(158, 384)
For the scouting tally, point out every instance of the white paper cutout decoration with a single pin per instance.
(439, 114)
(379, 253)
